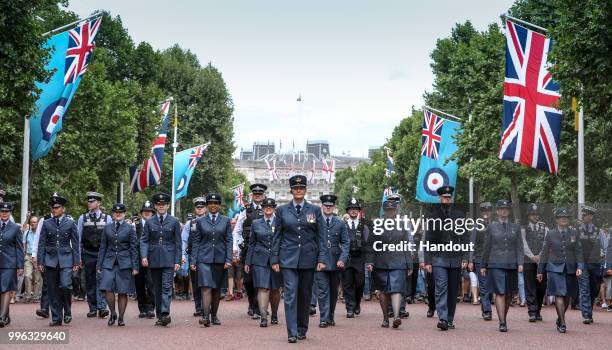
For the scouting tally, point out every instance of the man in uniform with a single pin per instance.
(160, 250)
(353, 275)
(298, 248)
(241, 235)
(58, 255)
(592, 239)
(337, 242)
(144, 290)
(533, 240)
(478, 237)
(446, 266)
(90, 227)
(187, 237)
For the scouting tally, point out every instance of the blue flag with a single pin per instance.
(238, 203)
(184, 165)
(437, 146)
(71, 53)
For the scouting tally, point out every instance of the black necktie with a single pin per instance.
(161, 219)
(352, 225)
(269, 223)
(213, 218)
(298, 208)
(117, 224)
(3, 226)
(93, 217)
(327, 219)
(57, 221)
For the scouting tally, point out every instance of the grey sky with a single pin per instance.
(359, 65)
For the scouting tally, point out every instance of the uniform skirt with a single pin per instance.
(117, 280)
(8, 280)
(561, 284)
(264, 277)
(502, 281)
(212, 276)
(389, 281)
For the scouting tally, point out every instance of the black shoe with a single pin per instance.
(397, 322)
(561, 328)
(256, 316)
(443, 325)
(120, 322)
(503, 327)
(158, 322)
(357, 311)
(112, 319)
(204, 321)
(390, 314)
(55, 323)
(451, 325)
(539, 317)
(587, 320)
(532, 318)
(150, 314)
(7, 320)
(142, 315)
(42, 313)
(1, 323)
(67, 319)
(197, 314)
(385, 323)
(250, 312)
(350, 314)
(292, 340)
(165, 320)
(430, 313)
(103, 313)
(301, 336)
(263, 323)
(215, 321)
(274, 319)
(322, 324)
(313, 310)
(93, 313)
(487, 316)
(331, 323)
(404, 314)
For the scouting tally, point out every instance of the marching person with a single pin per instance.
(562, 260)
(478, 238)
(58, 256)
(242, 230)
(353, 275)
(33, 279)
(265, 280)
(533, 240)
(142, 281)
(337, 242)
(446, 266)
(298, 248)
(212, 256)
(160, 250)
(118, 262)
(502, 260)
(592, 239)
(11, 260)
(44, 295)
(390, 268)
(187, 236)
(90, 227)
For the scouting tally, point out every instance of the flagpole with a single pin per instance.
(443, 113)
(471, 180)
(174, 147)
(514, 19)
(581, 198)
(25, 173)
(59, 29)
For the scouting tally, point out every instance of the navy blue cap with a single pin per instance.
(328, 199)
(57, 201)
(562, 213)
(258, 188)
(390, 204)
(161, 198)
(297, 181)
(353, 203)
(6, 206)
(533, 209)
(213, 197)
(503, 203)
(445, 191)
(119, 207)
(268, 202)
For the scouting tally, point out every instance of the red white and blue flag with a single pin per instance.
(532, 122)
(149, 173)
(184, 165)
(431, 135)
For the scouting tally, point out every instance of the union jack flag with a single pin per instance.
(390, 169)
(194, 157)
(150, 172)
(532, 122)
(80, 45)
(431, 135)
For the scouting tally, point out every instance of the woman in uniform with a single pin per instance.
(562, 259)
(389, 269)
(212, 256)
(11, 260)
(502, 260)
(266, 281)
(118, 262)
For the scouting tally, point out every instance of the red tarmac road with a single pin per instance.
(238, 331)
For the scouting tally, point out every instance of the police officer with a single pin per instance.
(562, 260)
(592, 241)
(446, 266)
(160, 250)
(389, 267)
(337, 242)
(477, 237)
(118, 262)
(212, 256)
(298, 248)
(242, 230)
(266, 281)
(144, 290)
(533, 240)
(502, 260)
(90, 227)
(353, 275)
(11, 259)
(58, 256)
(187, 236)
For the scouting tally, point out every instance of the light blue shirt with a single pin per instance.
(29, 239)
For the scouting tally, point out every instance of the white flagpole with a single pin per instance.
(25, 173)
(174, 147)
(581, 198)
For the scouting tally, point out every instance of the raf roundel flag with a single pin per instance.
(184, 165)
(437, 146)
(71, 53)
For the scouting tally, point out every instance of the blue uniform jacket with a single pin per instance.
(337, 241)
(161, 245)
(11, 247)
(298, 239)
(119, 246)
(503, 247)
(561, 253)
(260, 243)
(59, 246)
(212, 244)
